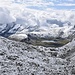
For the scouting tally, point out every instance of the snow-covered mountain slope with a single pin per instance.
(18, 21)
(18, 58)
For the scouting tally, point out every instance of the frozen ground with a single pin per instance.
(40, 28)
(18, 58)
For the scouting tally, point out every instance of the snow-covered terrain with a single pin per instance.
(15, 18)
(43, 41)
(18, 58)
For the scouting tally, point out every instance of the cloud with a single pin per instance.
(35, 2)
(35, 18)
(39, 4)
(5, 16)
(66, 4)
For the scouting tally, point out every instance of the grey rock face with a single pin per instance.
(19, 58)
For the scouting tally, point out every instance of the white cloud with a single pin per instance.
(5, 16)
(32, 18)
(66, 4)
(35, 2)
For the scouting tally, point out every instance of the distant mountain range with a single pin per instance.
(19, 23)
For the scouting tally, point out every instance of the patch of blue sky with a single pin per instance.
(60, 1)
(57, 4)
(54, 7)
(62, 7)
(36, 7)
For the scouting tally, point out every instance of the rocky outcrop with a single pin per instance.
(19, 58)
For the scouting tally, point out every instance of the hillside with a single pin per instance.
(18, 58)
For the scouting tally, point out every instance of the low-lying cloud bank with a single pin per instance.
(29, 20)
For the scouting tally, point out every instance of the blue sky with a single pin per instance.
(56, 4)
(44, 4)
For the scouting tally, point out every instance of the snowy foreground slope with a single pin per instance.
(18, 58)
(37, 41)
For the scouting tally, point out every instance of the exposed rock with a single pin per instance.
(19, 58)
